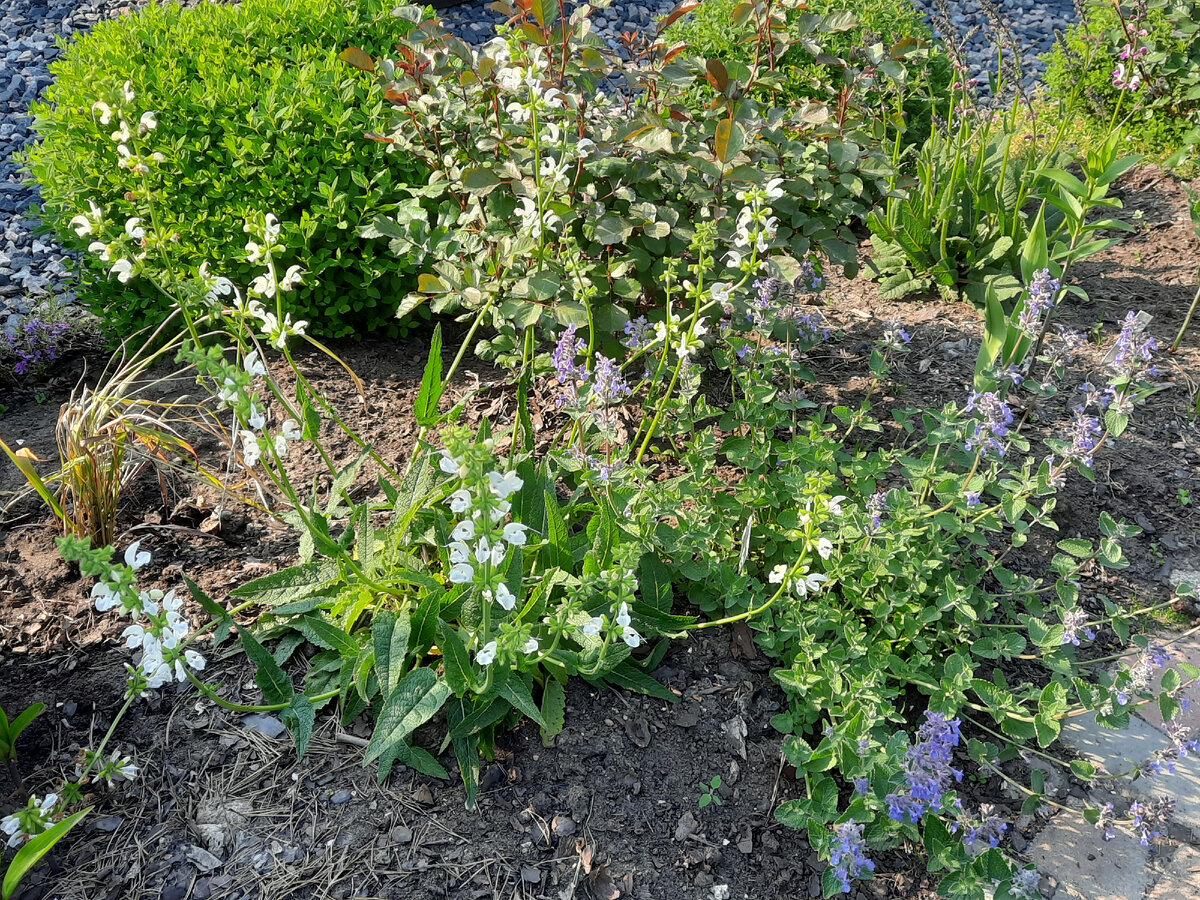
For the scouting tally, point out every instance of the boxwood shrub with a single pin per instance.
(256, 114)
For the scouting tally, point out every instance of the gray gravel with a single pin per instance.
(33, 268)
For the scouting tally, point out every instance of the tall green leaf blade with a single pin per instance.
(516, 691)
(426, 409)
(325, 634)
(300, 718)
(454, 654)
(995, 331)
(558, 551)
(29, 855)
(554, 705)
(466, 751)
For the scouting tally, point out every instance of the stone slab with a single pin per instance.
(1177, 878)
(1118, 751)
(1087, 867)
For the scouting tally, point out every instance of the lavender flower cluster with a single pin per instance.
(848, 854)
(1042, 291)
(606, 385)
(995, 417)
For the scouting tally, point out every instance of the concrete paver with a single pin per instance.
(1086, 866)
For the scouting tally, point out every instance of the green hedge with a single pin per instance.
(256, 114)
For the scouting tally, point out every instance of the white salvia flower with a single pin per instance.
(778, 574)
(459, 552)
(122, 134)
(134, 635)
(271, 230)
(623, 614)
(194, 659)
(774, 189)
(448, 463)
(630, 636)
(460, 501)
(721, 291)
(834, 505)
(824, 548)
(514, 533)
(487, 654)
(251, 451)
(504, 486)
(105, 111)
(461, 573)
(809, 584)
(256, 419)
(463, 531)
(148, 600)
(531, 646)
(584, 147)
(121, 768)
(102, 249)
(123, 269)
(254, 253)
(253, 364)
(135, 558)
(485, 550)
(265, 286)
(290, 434)
(505, 597)
(106, 598)
(592, 625)
(82, 225)
(133, 228)
(291, 278)
(127, 92)
(148, 122)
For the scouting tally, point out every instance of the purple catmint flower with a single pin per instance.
(1013, 373)
(1141, 671)
(1132, 352)
(995, 417)
(1084, 435)
(973, 498)
(895, 337)
(877, 505)
(608, 386)
(809, 278)
(811, 327)
(1041, 293)
(565, 367)
(1150, 819)
(637, 332)
(1074, 625)
(927, 769)
(988, 830)
(862, 785)
(1107, 821)
(847, 855)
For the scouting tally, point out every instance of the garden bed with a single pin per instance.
(222, 810)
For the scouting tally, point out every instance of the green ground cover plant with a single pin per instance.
(253, 109)
(885, 578)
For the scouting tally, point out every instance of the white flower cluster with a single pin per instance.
(622, 623)
(115, 768)
(804, 582)
(480, 541)
(29, 821)
(164, 630)
(756, 227)
(268, 284)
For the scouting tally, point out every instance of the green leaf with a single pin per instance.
(612, 229)
(416, 758)
(414, 701)
(995, 332)
(630, 677)
(290, 584)
(1077, 547)
(516, 691)
(389, 633)
(466, 751)
(554, 705)
(325, 634)
(29, 855)
(454, 655)
(271, 679)
(300, 718)
(558, 549)
(214, 609)
(426, 409)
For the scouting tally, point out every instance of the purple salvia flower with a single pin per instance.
(1084, 435)
(847, 855)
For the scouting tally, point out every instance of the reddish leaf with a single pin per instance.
(717, 75)
(680, 9)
